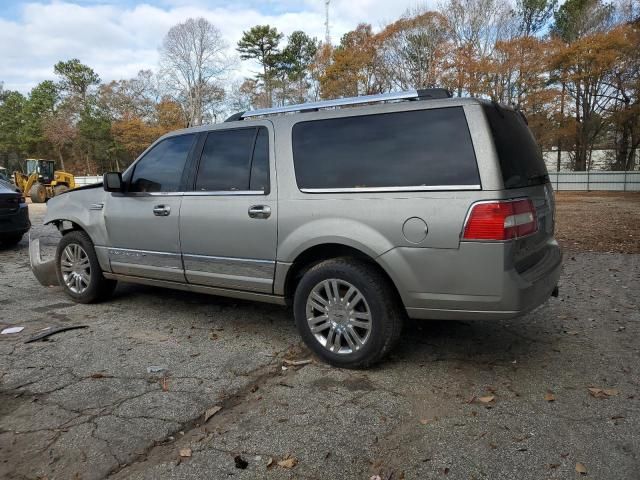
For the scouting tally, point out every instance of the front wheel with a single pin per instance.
(347, 312)
(38, 193)
(79, 271)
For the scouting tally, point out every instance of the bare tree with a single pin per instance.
(193, 66)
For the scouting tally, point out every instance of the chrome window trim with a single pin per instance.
(150, 194)
(224, 193)
(219, 193)
(430, 188)
(235, 259)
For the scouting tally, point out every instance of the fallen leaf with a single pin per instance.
(487, 399)
(269, 462)
(581, 469)
(240, 462)
(424, 421)
(375, 477)
(603, 392)
(288, 462)
(101, 375)
(185, 452)
(210, 412)
(549, 397)
(164, 383)
(297, 363)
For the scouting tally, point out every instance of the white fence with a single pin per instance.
(581, 181)
(82, 181)
(596, 180)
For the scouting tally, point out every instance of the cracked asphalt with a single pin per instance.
(461, 400)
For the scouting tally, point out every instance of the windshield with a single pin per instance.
(520, 158)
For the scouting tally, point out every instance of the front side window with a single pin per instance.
(419, 148)
(234, 160)
(160, 170)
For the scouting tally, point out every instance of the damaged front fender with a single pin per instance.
(44, 271)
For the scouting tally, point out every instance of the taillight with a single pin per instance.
(501, 220)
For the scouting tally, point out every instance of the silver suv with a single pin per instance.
(406, 204)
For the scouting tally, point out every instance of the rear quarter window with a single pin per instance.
(419, 148)
(520, 158)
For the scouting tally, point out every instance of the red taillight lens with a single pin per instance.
(501, 220)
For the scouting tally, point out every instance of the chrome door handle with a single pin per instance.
(162, 210)
(260, 211)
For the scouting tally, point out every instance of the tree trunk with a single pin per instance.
(61, 159)
(559, 165)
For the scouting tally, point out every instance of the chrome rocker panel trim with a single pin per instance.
(222, 292)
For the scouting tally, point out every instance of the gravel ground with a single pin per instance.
(599, 221)
(462, 400)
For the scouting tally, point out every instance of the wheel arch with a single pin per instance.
(326, 251)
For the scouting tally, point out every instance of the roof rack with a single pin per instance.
(422, 94)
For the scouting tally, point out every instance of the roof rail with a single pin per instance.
(423, 94)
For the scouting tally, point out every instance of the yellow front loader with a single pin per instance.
(42, 181)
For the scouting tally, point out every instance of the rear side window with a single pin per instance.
(421, 148)
(234, 160)
(160, 170)
(520, 158)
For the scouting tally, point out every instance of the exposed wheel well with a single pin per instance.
(65, 226)
(319, 253)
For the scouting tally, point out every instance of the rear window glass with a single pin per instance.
(520, 158)
(405, 149)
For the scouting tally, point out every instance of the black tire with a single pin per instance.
(38, 193)
(386, 312)
(98, 288)
(58, 189)
(11, 239)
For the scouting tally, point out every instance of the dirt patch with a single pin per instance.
(598, 221)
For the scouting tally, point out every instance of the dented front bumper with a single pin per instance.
(43, 270)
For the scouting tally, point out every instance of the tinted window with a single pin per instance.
(226, 160)
(160, 170)
(405, 149)
(520, 158)
(260, 163)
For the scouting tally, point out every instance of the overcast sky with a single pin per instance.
(117, 38)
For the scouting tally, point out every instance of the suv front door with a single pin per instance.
(228, 222)
(142, 223)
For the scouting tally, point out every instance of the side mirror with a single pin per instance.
(112, 182)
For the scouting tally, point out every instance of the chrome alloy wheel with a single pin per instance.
(75, 268)
(338, 316)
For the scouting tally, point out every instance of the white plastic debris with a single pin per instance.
(10, 330)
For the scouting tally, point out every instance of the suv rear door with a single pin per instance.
(228, 224)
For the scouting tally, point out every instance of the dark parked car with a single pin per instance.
(14, 214)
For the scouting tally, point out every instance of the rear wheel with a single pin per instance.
(58, 189)
(38, 193)
(347, 312)
(79, 271)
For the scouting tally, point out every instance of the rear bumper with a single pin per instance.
(476, 281)
(15, 223)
